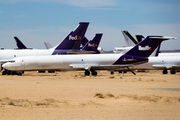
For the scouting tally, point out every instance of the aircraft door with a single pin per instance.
(22, 62)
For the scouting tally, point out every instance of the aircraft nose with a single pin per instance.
(6, 66)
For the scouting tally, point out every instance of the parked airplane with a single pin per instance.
(88, 62)
(159, 61)
(72, 41)
(130, 41)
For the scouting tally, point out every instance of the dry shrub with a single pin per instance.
(50, 100)
(109, 95)
(11, 102)
(150, 98)
(41, 103)
(99, 95)
(111, 77)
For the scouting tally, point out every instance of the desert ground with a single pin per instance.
(73, 96)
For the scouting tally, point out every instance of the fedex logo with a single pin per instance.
(144, 48)
(92, 45)
(77, 37)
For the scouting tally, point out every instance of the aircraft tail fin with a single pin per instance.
(48, 46)
(74, 39)
(19, 44)
(84, 41)
(92, 45)
(130, 41)
(139, 54)
(139, 38)
(146, 47)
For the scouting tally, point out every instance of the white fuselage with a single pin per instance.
(160, 63)
(81, 62)
(9, 54)
(61, 62)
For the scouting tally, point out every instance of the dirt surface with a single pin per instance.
(71, 95)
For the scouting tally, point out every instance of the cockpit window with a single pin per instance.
(12, 61)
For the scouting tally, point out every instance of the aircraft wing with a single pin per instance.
(98, 67)
(167, 66)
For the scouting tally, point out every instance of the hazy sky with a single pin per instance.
(38, 21)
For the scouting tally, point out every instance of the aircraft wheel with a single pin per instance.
(4, 73)
(164, 72)
(120, 71)
(51, 71)
(125, 71)
(41, 71)
(94, 73)
(9, 73)
(173, 71)
(87, 73)
(112, 72)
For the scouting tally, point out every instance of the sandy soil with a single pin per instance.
(71, 95)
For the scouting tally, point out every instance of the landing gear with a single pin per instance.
(93, 73)
(87, 73)
(165, 72)
(125, 71)
(120, 71)
(41, 71)
(4, 73)
(8, 72)
(51, 71)
(173, 71)
(112, 73)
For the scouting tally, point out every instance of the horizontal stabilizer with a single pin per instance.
(162, 37)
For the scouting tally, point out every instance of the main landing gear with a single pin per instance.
(87, 72)
(171, 71)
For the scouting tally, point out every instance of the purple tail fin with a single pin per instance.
(92, 45)
(146, 47)
(84, 41)
(19, 44)
(74, 39)
(140, 53)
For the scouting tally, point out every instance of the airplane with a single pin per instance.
(161, 63)
(130, 41)
(72, 41)
(88, 62)
(157, 61)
